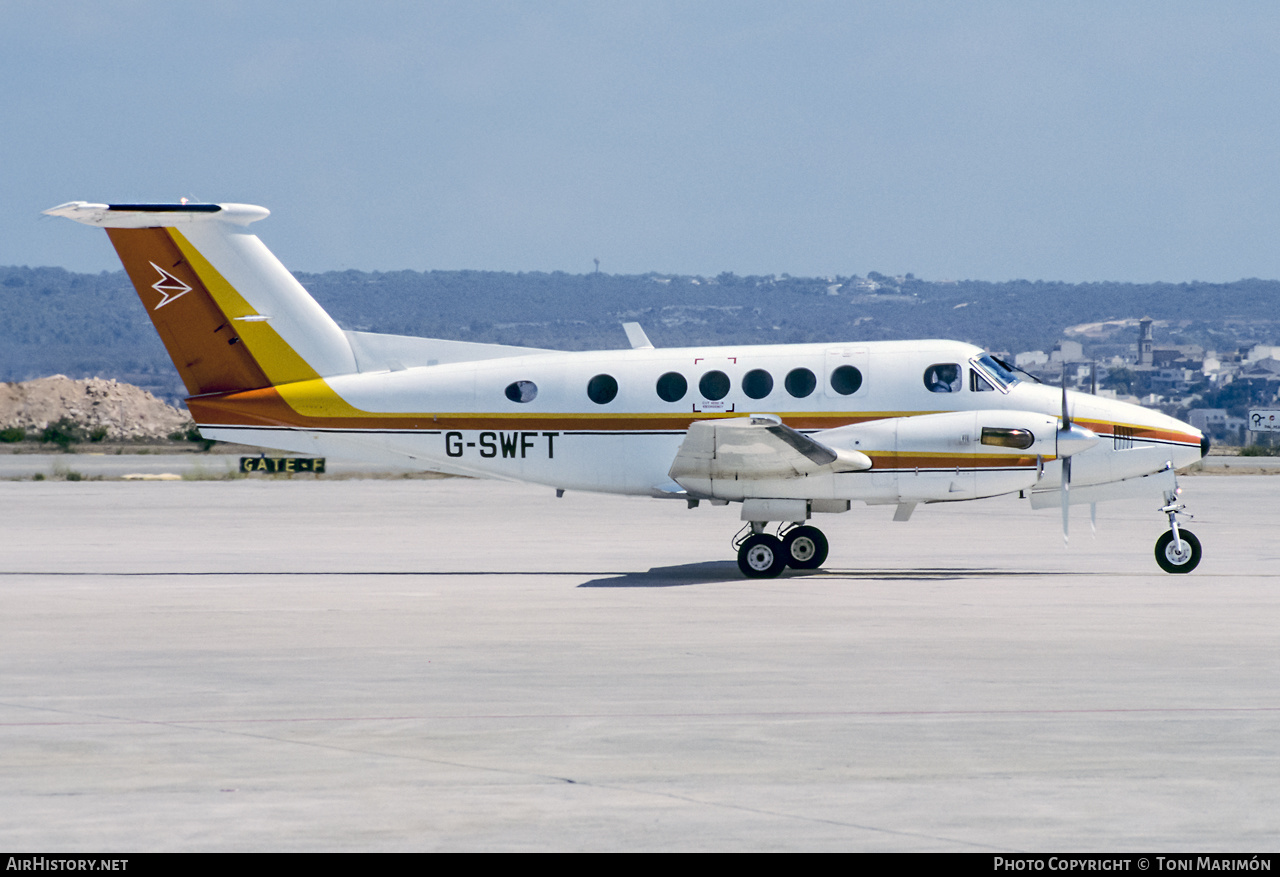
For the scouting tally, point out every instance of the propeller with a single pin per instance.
(1072, 440)
(1066, 462)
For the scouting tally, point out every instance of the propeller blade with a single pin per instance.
(1066, 415)
(1072, 439)
(1093, 519)
(1066, 499)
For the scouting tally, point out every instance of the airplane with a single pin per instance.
(788, 431)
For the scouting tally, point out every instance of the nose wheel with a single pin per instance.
(1178, 553)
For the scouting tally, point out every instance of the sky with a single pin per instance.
(1074, 141)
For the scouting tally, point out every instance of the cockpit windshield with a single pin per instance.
(996, 371)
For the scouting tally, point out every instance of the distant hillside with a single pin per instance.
(92, 324)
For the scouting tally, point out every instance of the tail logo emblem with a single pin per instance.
(168, 286)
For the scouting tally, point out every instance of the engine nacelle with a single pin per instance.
(949, 456)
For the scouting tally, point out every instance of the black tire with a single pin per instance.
(805, 548)
(1170, 561)
(762, 557)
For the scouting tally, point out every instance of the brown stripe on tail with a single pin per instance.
(202, 342)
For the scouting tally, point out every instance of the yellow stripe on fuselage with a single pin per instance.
(293, 378)
(278, 361)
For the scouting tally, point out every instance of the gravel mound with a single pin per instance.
(125, 411)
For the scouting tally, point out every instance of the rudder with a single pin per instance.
(200, 338)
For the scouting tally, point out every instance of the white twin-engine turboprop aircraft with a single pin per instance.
(788, 431)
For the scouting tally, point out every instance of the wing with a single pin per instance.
(750, 448)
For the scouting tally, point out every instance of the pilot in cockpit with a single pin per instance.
(942, 378)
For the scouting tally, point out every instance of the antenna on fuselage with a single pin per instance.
(636, 336)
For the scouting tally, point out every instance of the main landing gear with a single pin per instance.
(1178, 550)
(764, 556)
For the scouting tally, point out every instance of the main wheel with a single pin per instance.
(762, 557)
(805, 548)
(1170, 559)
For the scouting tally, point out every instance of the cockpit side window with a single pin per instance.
(943, 377)
(978, 382)
(996, 371)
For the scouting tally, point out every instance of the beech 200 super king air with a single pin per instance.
(788, 431)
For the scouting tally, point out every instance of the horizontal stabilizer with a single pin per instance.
(156, 215)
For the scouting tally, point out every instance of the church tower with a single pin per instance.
(1145, 345)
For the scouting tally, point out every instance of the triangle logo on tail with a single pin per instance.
(168, 286)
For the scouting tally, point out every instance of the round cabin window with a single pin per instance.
(846, 380)
(522, 391)
(800, 382)
(714, 385)
(602, 389)
(672, 386)
(757, 383)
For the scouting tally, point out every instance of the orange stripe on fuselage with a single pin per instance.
(1138, 432)
(268, 408)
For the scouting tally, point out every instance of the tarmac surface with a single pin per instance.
(463, 665)
(212, 466)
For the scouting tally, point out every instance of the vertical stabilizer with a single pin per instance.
(230, 315)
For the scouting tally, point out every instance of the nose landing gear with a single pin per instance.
(1177, 550)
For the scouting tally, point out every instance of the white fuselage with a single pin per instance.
(463, 418)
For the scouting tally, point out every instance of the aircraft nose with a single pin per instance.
(1204, 446)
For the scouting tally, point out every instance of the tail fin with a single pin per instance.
(230, 315)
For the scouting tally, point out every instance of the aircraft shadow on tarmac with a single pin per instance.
(704, 573)
(713, 571)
